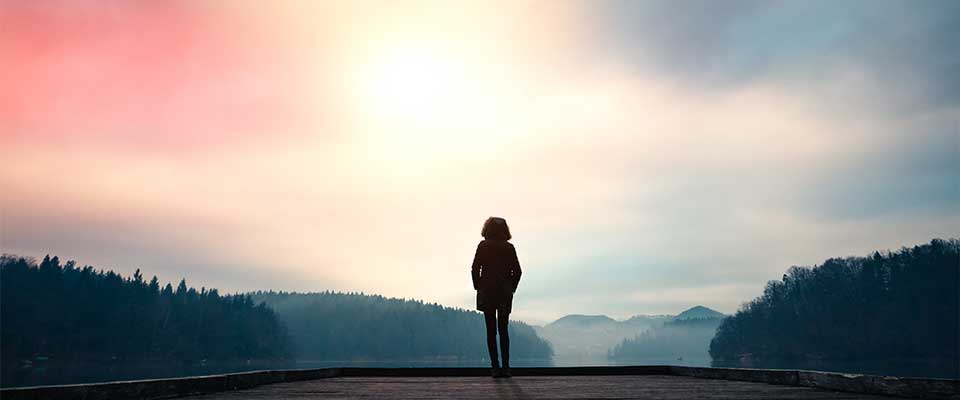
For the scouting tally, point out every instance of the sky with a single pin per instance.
(648, 155)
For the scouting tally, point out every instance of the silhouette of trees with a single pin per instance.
(81, 324)
(64, 312)
(886, 306)
(354, 326)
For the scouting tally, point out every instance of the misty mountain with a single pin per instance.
(676, 340)
(331, 326)
(584, 321)
(647, 321)
(699, 312)
(585, 338)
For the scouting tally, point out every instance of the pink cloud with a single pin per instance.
(169, 75)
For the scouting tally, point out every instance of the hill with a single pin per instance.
(577, 320)
(880, 309)
(699, 312)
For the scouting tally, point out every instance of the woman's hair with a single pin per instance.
(496, 228)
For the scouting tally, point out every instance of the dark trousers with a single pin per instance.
(497, 324)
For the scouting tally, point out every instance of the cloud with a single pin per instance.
(902, 48)
(168, 77)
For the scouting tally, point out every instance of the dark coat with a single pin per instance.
(496, 274)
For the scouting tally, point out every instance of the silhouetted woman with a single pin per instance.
(496, 273)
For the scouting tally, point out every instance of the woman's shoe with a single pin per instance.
(505, 372)
(494, 372)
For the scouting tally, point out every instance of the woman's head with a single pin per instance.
(496, 228)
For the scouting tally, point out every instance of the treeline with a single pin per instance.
(675, 339)
(886, 306)
(63, 314)
(351, 326)
(71, 312)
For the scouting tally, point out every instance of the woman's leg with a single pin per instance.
(502, 320)
(490, 318)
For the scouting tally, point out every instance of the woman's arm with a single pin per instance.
(475, 268)
(515, 270)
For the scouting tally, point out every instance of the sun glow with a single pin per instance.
(420, 102)
(416, 84)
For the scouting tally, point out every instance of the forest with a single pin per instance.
(371, 327)
(899, 305)
(62, 315)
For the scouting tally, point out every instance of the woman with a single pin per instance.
(496, 273)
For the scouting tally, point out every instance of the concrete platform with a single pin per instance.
(531, 387)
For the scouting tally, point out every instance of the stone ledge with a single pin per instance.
(165, 388)
(886, 385)
(924, 388)
(525, 371)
